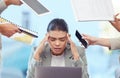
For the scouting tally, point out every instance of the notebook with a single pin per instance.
(26, 35)
(58, 72)
(93, 10)
(36, 6)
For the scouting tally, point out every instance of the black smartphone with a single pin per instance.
(83, 41)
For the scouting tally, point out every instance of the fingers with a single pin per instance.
(69, 39)
(112, 22)
(13, 32)
(21, 3)
(85, 36)
(19, 31)
(116, 20)
(116, 15)
(14, 28)
(9, 34)
(46, 37)
(68, 36)
(18, 2)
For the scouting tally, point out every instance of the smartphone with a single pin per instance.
(83, 41)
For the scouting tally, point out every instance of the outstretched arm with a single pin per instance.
(97, 41)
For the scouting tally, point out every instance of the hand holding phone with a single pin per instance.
(83, 41)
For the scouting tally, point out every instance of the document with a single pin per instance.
(93, 10)
(36, 6)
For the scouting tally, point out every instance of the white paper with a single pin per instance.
(87, 10)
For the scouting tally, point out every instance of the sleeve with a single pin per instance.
(2, 6)
(82, 61)
(117, 73)
(115, 43)
(31, 66)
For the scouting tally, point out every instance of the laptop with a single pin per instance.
(58, 72)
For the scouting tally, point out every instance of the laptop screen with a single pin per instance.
(58, 72)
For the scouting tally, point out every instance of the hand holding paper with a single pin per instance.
(25, 36)
(93, 10)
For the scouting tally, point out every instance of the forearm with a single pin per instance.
(1, 27)
(74, 51)
(103, 42)
(73, 47)
(39, 50)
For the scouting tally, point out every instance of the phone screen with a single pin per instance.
(78, 35)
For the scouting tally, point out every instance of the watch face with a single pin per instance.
(83, 41)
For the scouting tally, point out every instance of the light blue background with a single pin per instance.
(16, 54)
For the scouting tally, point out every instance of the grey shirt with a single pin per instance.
(2, 6)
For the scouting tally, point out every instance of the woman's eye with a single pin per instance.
(52, 39)
(62, 39)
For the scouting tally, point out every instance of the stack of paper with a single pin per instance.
(87, 10)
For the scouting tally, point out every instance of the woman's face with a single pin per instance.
(57, 41)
